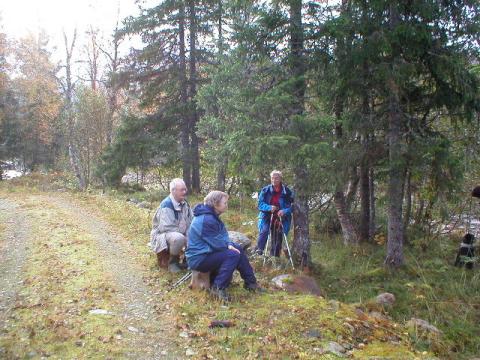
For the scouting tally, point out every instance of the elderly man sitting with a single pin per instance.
(170, 225)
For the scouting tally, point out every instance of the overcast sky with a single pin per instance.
(19, 17)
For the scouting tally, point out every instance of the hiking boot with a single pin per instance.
(220, 294)
(174, 264)
(183, 264)
(255, 252)
(254, 288)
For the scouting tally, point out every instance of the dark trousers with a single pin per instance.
(222, 264)
(276, 240)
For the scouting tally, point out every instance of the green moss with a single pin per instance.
(386, 351)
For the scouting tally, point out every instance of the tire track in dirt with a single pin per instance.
(150, 333)
(13, 251)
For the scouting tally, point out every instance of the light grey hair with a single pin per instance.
(214, 197)
(276, 172)
(175, 182)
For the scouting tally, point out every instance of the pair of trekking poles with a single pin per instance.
(272, 240)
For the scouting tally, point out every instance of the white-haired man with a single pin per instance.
(170, 225)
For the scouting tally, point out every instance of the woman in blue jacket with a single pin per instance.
(210, 250)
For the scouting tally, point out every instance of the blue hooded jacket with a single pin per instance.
(286, 200)
(207, 234)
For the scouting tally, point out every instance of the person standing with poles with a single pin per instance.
(275, 214)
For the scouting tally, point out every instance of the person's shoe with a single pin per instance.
(256, 252)
(183, 264)
(174, 264)
(254, 288)
(220, 294)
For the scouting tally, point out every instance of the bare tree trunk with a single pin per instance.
(113, 85)
(419, 211)
(395, 256)
(301, 239)
(185, 132)
(408, 204)
(195, 162)
(364, 203)
(93, 53)
(348, 230)
(222, 163)
(372, 226)
(87, 165)
(68, 89)
(396, 173)
(222, 173)
(74, 162)
(352, 187)
(220, 28)
(342, 203)
(194, 150)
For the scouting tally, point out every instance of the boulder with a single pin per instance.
(240, 239)
(297, 284)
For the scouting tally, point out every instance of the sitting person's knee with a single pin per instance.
(176, 242)
(238, 247)
(233, 254)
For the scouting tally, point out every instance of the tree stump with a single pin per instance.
(200, 280)
(162, 259)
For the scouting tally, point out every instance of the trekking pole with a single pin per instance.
(274, 244)
(180, 281)
(288, 250)
(288, 247)
(269, 240)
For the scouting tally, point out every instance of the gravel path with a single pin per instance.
(13, 250)
(138, 313)
(147, 333)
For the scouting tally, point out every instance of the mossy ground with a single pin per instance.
(62, 280)
(428, 287)
(276, 324)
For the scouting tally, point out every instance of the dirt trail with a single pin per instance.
(13, 250)
(138, 312)
(146, 332)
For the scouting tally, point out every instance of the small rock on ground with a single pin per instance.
(386, 299)
(423, 325)
(335, 348)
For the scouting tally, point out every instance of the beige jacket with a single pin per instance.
(170, 216)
